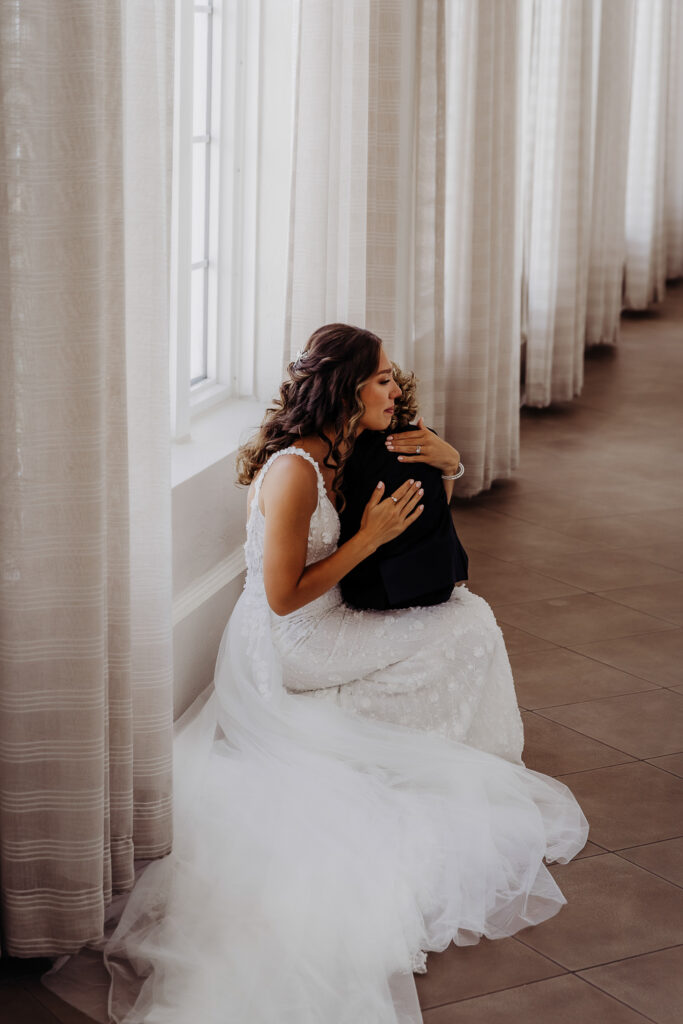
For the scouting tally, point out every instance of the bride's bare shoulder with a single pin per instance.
(289, 478)
(314, 445)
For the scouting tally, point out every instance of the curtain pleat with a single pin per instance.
(85, 590)
(557, 198)
(607, 229)
(147, 149)
(673, 182)
(645, 275)
(480, 388)
(390, 170)
(328, 219)
(429, 347)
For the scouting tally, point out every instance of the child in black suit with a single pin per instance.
(422, 565)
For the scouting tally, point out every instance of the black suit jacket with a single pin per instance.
(422, 565)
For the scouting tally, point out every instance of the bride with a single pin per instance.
(444, 669)
(352, 794)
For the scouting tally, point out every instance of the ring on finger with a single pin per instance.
(395, 500)
(418, 449)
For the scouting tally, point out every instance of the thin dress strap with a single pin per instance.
(289, 451)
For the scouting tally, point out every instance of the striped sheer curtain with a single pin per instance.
(602, 192)
(85, 590)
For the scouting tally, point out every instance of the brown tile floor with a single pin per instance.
(580, 555)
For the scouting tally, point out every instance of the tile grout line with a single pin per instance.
(585, 736)
(661, 767)
(539, 981)
(586, 593)
(606, 963)
(616, 998)
(584, 654)
(54, 1019)
(643, 867)
(454, 1002)
(590, 700)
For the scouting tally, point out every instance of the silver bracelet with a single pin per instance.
(454, 476)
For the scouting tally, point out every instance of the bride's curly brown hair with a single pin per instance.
(322, 390)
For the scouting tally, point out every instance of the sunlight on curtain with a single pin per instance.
(482, 258)
(328, 213)
(607, 251)
(673, 184)
(557, 197)
(374, 195)
(391, 148)
(85, 634)
(645, 277)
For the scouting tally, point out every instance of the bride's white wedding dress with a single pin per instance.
(318, 850)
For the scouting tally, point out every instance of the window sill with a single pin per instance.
(216, 433)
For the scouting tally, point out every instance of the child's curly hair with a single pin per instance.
(405, 407)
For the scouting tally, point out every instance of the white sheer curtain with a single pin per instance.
(673, 184)
(85, 633)
(557, 196)
(468, 175)
(614, 54)
(386, 228)
(645, 276)
(602, 185)
(328, 214)
(482, 258)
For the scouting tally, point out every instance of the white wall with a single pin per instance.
(208, 514)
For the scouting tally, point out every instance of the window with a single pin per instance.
(195, 377)
(235, 62)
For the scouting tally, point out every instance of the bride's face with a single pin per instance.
(378, 397)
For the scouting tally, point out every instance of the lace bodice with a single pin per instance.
(323, 533)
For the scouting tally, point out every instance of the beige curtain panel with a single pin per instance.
(612, 106)
(85, 590)
(557, 196)
(482, 257)
(673, 195)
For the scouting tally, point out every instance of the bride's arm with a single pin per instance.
(433, 450)
(290, 495)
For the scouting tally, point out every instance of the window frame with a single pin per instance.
(188, 398)
(205, 140)
(231, 213)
